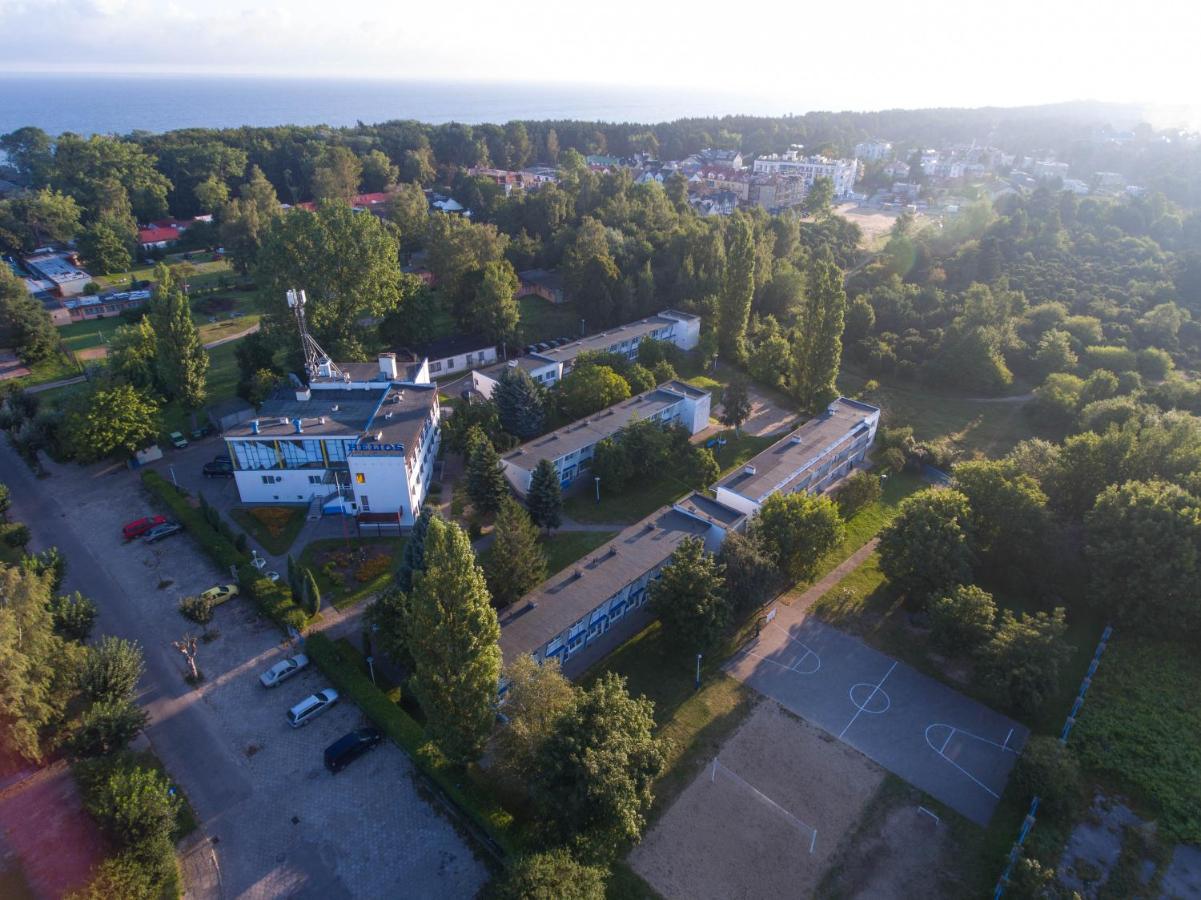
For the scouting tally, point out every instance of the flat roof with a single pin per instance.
(55, 267)
(606, 423)
(795, 452)
(705, 507)
(569, 595)
(371, 372)
(453, 346)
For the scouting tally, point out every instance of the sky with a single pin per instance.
(867, 54)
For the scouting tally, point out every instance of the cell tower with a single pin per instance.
(316, 360)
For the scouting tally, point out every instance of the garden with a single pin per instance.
(273, 527)
(349, 570)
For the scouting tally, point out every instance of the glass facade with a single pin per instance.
(290, 453)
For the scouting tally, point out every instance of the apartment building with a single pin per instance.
(842, 172)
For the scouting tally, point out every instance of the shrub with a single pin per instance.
(108, 726)
(892, 459)
(133, 805)
(240, 542)
(214, 541)
(197, 609)
(111, 669)
(74, 615)
(962, 619)
(554, 875)
(274, 599)
(860, 490)
(1048, 769)
(373, 568)
(17, 535)
(273, 518)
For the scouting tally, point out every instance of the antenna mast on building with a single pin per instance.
(316, 360)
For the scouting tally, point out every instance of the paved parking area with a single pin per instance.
(950, 746)
(282, 825)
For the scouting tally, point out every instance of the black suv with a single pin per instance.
(218, 468)
(350, 747)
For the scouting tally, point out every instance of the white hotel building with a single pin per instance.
(363, 443)
(809, 168)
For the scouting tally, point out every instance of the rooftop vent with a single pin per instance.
(254, 426)
(303, 394)
(795, 439)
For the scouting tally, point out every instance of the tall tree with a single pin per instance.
(590, 274)
(245, 219)
(751, 573)
(552, 875)
(211, 194)
(798, 530)
(454, 643)
(110, 418)
(515, 563)
(112, 669)
(535, 696)
(738, 291)
(495, 312)
(378, 172)
(133, 353)
(182, 362)
(520, 403)
(1022, 662)
(1008, 522)
(545, 496)
(410, 210)
(338, 175)
(818, 351)
(24, 323)
(924, 550)
(413, 558)
(818, 199)
(104, 248)
(735, 403)
(587, 389)
(689, 596)
(594, 775)
(486, 483)
(456, 247)
(30, 220)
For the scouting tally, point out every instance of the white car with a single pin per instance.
(283, 670)
(311, 707)
(271, 576)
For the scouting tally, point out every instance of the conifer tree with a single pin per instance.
(516, 562)
(413, 558)
(519, 403)
(545, 496)
(312, 593)
(182, 362)
(454, 642)
(486, 483)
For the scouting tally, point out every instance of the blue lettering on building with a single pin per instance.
(377, 448)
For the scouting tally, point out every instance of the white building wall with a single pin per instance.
(384, 483)
(281, 485)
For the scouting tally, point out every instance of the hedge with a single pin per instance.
(274, 600)
(477, 803)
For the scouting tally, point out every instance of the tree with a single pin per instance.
(35, 662)
(108, 726)
(1054, 353)
(246, 219)
(1048, 770)
(111, 669)
(1020, 664)
(1143, 547)
(924, 550)
(594, 774)
(410, 210)
(860, 490)
(311, 593)
(187, 646)
(413, 558)
(817, 353)
(134, 806)
(337, 176)
(545, 496)
(797, 530)
(108, 419)
(769, 360)
(133, 353)
(536, 695)
(515, 562)
(346, 263)
(588, 389)
(454, 643)
(591, 276)
(689, 596)
(31, 220)
(818, 199)
(89, 168)
(553, 875)
(735, 403)
(751, 574)
(104, 248)
(73, 615)
(519, 403)
(495, 311)
(378, 172)
(197, 609)
(456, 247)
(388, 618)
(962, 618)
(699, 468)
(24, 323)
(738, 290)
(486, 483)
(181, 361)
(1008, 520)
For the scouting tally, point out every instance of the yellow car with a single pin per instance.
(221, 593)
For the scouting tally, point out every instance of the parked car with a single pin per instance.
(311, 707)
(216, 469)
(346, 749)
(139, 527)
(178, 440)
(220, 593)
(283, 670)
(158, 532)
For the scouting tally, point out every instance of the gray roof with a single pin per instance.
(569, 595)
(600, 425)
(794, 453)
(705, 507)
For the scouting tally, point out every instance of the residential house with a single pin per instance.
(543, 283)
(456, 355)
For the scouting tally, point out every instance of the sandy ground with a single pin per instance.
(904, 856)
(873, 222)
(92, 353)
(720, 840)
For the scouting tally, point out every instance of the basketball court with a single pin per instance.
(953, 748)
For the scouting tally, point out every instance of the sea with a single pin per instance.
(120, 104)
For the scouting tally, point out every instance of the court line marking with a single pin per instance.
(762, 796)
(952, 731)
(768, 659)
(868, 700)
(808, 650)
(863, 708)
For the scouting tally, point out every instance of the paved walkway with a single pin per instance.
(794, 605)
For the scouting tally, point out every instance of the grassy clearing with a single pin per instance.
(207, 272)
(565, 547)
(57, 367)
(222, 383)
(542, 320)
(274, 527)
(344, 590)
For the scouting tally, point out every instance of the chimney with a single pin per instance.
(303, 394)
(254, 426)
(296, 424)
(387, 365)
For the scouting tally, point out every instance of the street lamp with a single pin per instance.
(371, 666)
(698, 671)
(596, 478)
(171, 469)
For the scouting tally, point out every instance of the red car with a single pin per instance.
(139, 527)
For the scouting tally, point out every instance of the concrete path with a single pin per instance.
(231, 337)
(51, 385)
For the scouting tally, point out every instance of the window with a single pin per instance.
(470, 358)
(271, 479)
(436, 367)
(315, 479)
(365, 503)
(360, 478)
(450, 363)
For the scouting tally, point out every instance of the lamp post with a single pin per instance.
(171, 469)
(371, 666)
(596, 478)
(698, 671)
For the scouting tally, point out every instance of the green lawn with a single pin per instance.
(277, 544)
(208, 272)
(94, 333)
(222, 382)
(344, 593)
(56, 368)
(565, 547)
(542, 320)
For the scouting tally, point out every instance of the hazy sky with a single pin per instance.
(840, 55)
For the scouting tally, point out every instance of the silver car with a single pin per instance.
(311, 707)
(283, 670)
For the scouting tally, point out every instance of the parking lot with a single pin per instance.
(280, 823)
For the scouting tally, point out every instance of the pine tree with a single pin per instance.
(690, 597)
(486, 483)
(413, 558)
(545, 496)
(738, 291)
(516, 562)
(182, 361)
(312, 593)
(454, 643)
(519, 403)
(818, 351)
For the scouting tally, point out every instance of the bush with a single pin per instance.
(217, 542)
(860, 490)
(892, 459)
(373, 568)
(130, 876)
(555, 875)
(398, 725)
(274, 599)
(197, 609)
(111, 669)
(107, 727)
(17, 535)
(132, 804)
(1046, 768)
(74, 615)
(962, 619)
(240, 542)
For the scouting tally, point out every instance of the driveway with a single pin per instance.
(280, 825)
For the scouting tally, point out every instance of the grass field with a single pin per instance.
(275, 540)
(207, 272)
(542, 320)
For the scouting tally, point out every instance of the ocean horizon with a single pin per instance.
(119, 104)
